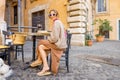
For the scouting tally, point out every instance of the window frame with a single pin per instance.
(15, 15)
(102, 11)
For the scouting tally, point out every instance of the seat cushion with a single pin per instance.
(3, 47)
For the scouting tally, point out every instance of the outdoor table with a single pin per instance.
(2, 47)
(34, 35)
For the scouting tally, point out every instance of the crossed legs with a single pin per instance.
(43, 46)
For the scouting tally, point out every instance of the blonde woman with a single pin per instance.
(56, 43)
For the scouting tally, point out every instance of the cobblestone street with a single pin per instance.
(92, 67)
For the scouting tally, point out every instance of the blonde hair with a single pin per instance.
(56, 12)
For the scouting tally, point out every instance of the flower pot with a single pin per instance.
(99, 38)
(89, 42)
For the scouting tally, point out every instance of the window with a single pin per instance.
(15, 15)
(101, 5)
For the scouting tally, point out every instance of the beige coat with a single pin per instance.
(58, 35)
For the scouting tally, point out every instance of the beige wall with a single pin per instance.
(61, 7)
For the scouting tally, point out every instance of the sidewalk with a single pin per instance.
(86, 63)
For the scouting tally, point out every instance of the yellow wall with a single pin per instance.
(61, 7)
(113, 14)
(2, 9)
(29, 6)
(52, 4)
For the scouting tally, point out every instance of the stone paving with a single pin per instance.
(80, 68)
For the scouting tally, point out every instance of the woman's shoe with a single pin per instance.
(35, 63)
(46, 73)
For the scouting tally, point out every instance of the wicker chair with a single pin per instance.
(18, 41)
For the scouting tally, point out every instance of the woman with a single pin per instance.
(56, 43)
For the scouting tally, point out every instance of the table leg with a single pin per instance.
(9, 61)
(34, 47)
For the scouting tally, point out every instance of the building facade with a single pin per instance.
(108, 9)
(33, 13)
(76, 15)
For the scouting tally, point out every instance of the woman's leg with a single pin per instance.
(39, 60)
(44, 59)
(38, 54)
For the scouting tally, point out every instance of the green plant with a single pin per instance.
(88, 40)
(103, 26)
(88, 37)
(98, 35)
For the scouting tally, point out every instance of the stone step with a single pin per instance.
(77, 7)
(78, 12)
(77, 24)
(77, 19)
(77, 30)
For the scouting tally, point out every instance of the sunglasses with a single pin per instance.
(52, 14)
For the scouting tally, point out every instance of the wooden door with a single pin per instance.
(38, 20)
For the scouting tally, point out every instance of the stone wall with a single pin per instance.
(2, 9)
(2, 22)
(77, 19)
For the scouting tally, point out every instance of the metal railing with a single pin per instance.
(23, 29)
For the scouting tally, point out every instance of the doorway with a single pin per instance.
(38, 20)
(106, 34)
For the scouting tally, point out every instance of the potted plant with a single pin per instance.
(88, 39)
(103, 26)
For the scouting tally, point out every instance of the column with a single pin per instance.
(3, 25)
(77, 20)
(19, 15)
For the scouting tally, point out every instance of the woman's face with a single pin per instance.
(52, 15)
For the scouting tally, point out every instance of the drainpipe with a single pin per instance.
(19, 15)
(8, 16)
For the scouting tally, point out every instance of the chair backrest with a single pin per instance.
(5, 33)
(19, 38)
(16, 38)
(69, 35)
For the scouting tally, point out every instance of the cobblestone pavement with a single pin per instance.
(80, 68)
